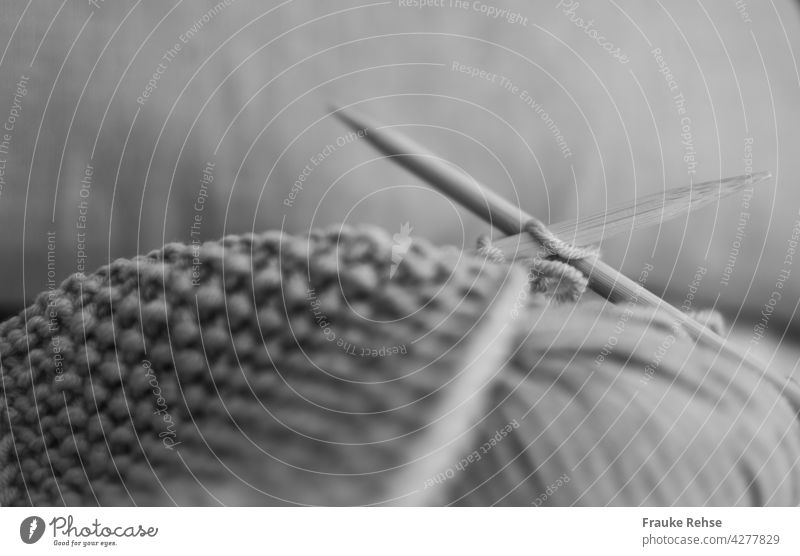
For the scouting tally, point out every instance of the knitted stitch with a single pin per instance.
(552, 275)
(271, 369)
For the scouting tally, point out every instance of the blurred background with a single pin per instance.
(129, 124)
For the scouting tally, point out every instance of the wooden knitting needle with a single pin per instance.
(637, 214)
(509, 218)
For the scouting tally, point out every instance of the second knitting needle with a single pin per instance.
(642, 212)
(509, 218)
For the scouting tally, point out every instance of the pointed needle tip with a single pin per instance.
(349, 117)
(758, 177)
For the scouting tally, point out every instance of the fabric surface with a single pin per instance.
(273, 369)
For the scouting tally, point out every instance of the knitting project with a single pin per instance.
(272, 369)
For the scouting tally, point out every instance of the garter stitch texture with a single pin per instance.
(296, 371)
(287, 370)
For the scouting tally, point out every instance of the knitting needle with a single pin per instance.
(502, 214)
(639, 213)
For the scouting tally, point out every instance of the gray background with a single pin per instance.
(257, 79)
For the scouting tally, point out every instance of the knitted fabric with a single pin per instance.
(271, 369)
(292, 367)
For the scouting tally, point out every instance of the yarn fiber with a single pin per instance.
(274, 369)
(552, 275)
